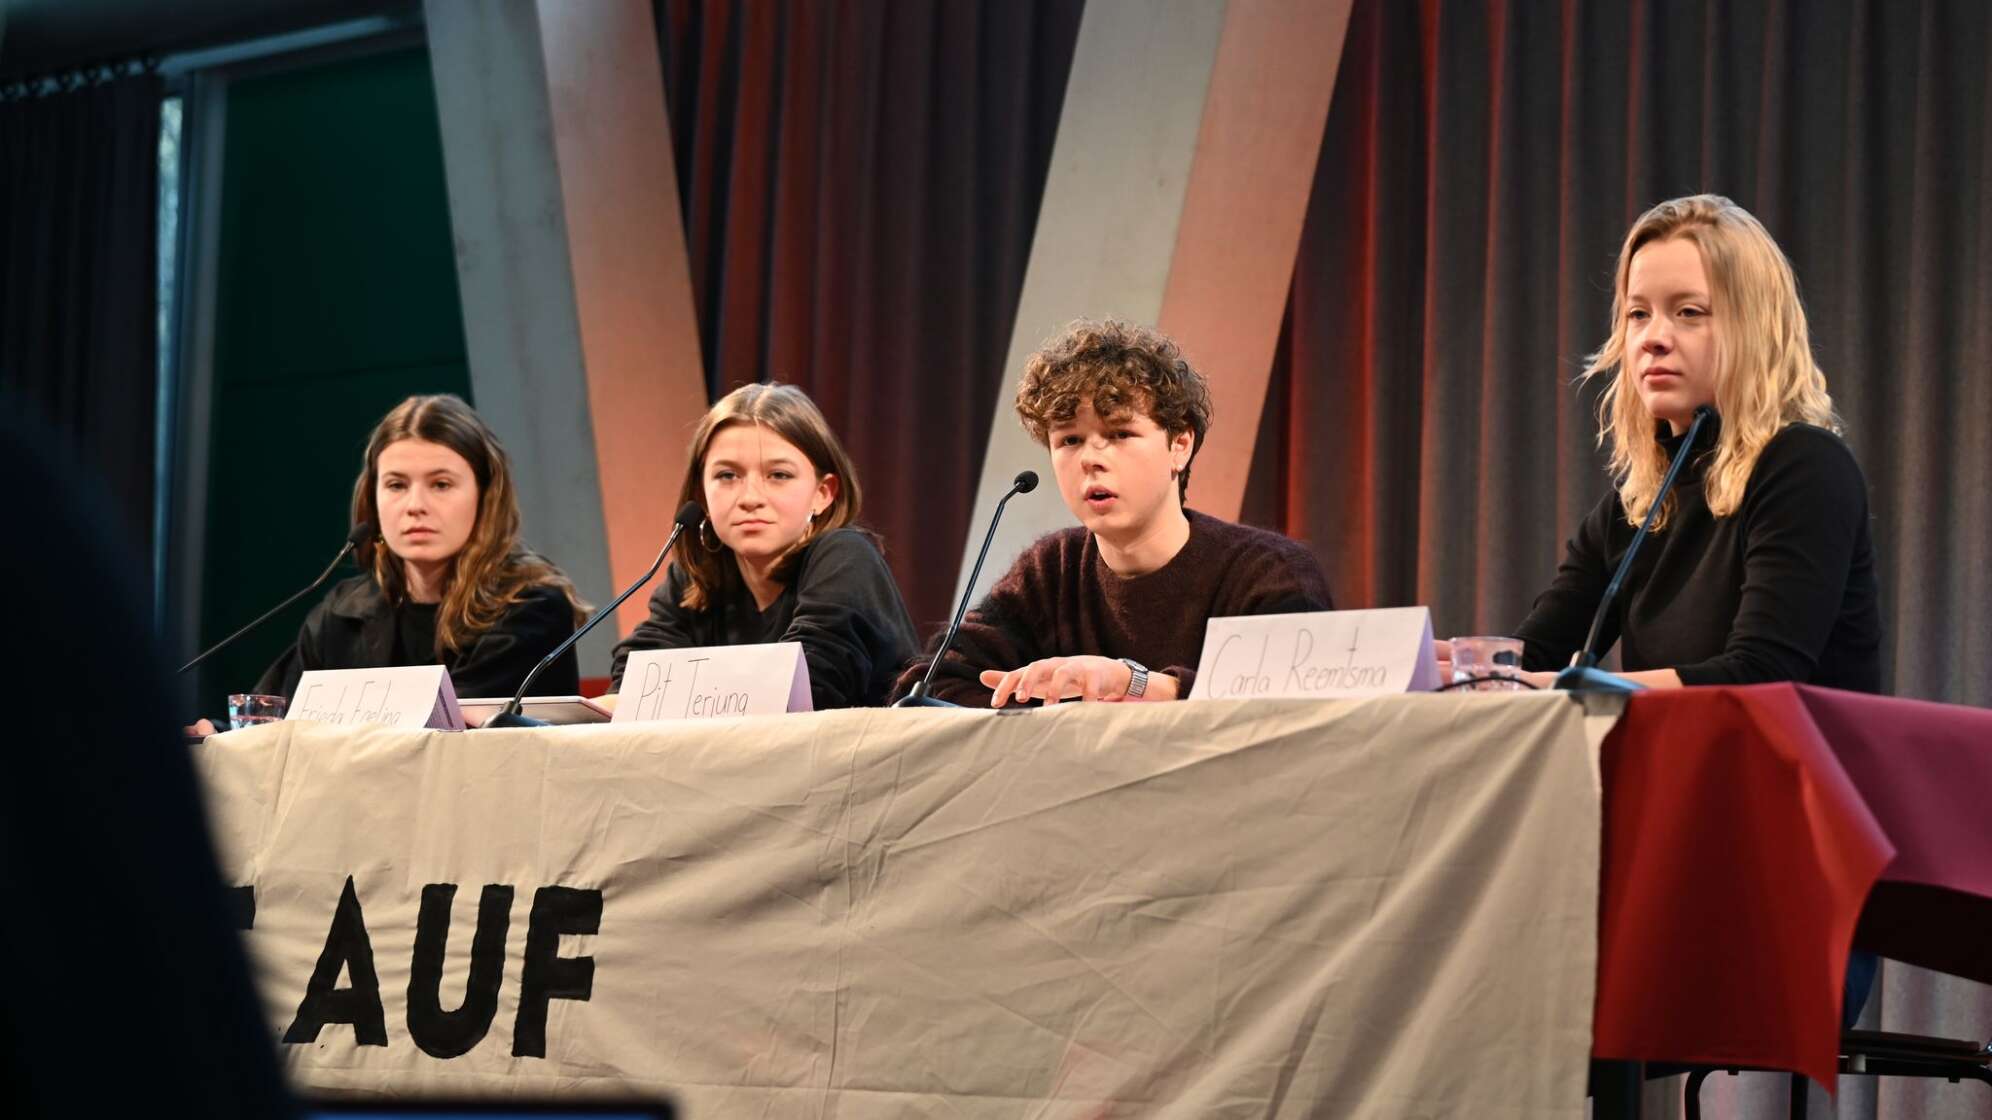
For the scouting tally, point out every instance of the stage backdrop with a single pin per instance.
(1481, 167)
(860, 185)
(1228, 909)
(860, 195)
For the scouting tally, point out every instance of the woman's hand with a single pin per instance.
(200, 729)
(1086, 677)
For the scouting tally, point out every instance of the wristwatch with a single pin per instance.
(1137, 681)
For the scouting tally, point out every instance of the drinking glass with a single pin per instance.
(247, 709)
(1487, 657)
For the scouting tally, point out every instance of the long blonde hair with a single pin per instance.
(494, 570)
(1765, 375)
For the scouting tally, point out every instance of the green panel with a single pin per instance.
(336, 298)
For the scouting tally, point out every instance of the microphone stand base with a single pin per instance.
(514, 719)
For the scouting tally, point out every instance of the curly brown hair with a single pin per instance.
(1123, 369)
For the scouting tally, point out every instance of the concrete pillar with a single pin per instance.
(1178, 185)
(577, 301)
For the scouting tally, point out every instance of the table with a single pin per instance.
(1212, 909)
(1754, 834)
(1224, 908)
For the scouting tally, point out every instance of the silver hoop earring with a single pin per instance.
(705, 527)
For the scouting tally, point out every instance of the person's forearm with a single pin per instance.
(1655, 678)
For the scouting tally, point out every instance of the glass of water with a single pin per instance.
(1484, 657)
(247, 709)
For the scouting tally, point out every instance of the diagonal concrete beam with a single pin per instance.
(632, 275)
(577, 299)
(1257, 147)
(1178, 184)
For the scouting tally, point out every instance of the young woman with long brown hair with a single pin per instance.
(779, 556)
(445, 578)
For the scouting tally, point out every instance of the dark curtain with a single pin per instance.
(79, 202)
(860, 184)
(1482, 163)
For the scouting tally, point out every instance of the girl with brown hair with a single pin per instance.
(779, 557)
(446, 580)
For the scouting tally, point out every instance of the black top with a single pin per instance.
(841, 604)
(1060, 599)
(354, 627)
(1782, 589)
(415, 634)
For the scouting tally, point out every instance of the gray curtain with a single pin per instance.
(1481, 163)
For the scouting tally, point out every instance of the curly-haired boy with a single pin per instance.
(1084, 611)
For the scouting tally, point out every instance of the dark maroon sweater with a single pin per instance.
(1061, 600)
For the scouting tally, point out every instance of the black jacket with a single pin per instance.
(841, 604)
(353, 627)
(1783, 589)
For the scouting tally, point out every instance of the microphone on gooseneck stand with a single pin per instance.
(354, 539)
(1583, 675)
(1025, 482)
(689, 515)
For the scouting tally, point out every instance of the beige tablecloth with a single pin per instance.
(1226, 909)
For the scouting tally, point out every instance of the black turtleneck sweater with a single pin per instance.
(1782, 589)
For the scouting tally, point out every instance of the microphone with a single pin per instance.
(354, 539)
(689, 515)
(1583, 675)
(1025, 482)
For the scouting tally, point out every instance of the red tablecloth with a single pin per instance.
(1750, 832)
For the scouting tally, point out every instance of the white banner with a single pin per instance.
(1227, 909)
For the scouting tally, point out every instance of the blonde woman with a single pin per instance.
(779, 556)
(445, 580)
(1760, 567)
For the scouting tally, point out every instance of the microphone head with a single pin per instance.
(689, 516)
(360, 534)
(1705, 412)
(1025, 482)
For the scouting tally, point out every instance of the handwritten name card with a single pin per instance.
(400, 696)
(715, 681)
(1321, 653)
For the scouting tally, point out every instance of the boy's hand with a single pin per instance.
(1068, 678)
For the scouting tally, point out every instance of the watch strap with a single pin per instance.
(1137, 681)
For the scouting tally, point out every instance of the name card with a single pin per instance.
(758, 680)
(399, 696)
(1319, 653)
